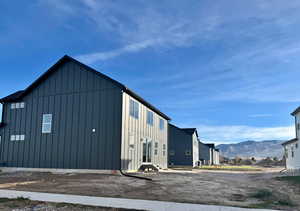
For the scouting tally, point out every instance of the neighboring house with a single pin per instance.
(204, 154)
(74, 117)
(183, 146)
(214, 155)
(291, 147)
(217, 157)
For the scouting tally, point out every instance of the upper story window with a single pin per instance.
(161, 124)
(134, 109)
(47, 123)
(150, 118)
(17, 105)
(298, 126)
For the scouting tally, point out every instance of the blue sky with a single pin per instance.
(229, 68)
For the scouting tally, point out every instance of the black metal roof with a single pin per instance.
(295, 111)
(190, 131)
(20, 94)
(290, 141)
(211, 145)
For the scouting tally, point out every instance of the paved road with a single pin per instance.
(117, 202)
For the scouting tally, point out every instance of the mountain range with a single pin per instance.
(248, 149)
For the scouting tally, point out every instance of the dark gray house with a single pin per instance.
(183, 146)
(74, 117)
(204, 154)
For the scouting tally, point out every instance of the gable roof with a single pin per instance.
(20, 94)
(289, 142)
(190, 131)
(295, 111)
(210, 145)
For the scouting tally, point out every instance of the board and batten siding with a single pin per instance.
(134, 131)
(180, 147)
(195, 149)
(294, 162)
(86, 123)
(204, 153)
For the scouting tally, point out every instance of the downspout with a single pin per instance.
(121, 171)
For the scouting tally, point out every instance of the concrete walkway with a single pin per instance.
(116, 202)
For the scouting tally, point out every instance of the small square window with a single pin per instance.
(12, 137)
(156, 145)
(164, 153)
(155, 152)
(296, 145)
(17, 105)
(22, 137)
(164, 147)
(17, 137)
(13, 106)
(22, 105)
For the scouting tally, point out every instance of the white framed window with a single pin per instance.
(172, 152)
(161, 124)
(17, 137)
(134, 109)
(164, 149)
(155, 152)
(22, 105)
(17, 105)
(12, 137)
(150, 118)
(47, 123)
(22, 137)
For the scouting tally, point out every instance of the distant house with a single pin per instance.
(204, 154)
(291, 147)
(74, 117)
(214, 155)
(183, 146)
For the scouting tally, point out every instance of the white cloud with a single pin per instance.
(94, 57)
(235, 133)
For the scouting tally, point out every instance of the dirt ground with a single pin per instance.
(197, 186)
(21, 204)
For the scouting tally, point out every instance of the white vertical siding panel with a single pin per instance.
(141, 130)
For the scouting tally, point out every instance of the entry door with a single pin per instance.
(147, 151)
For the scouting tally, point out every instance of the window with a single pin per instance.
(292, 152)
(150, 118)
(22, 137)
(17, 105)
(161, 124)
(155, 152)
(156, 145)
(47, 123)
(188, 153)
(164, 149)
(134, 109)
(286, 153)
(172, 152)
(17, 137)
(296, 145)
